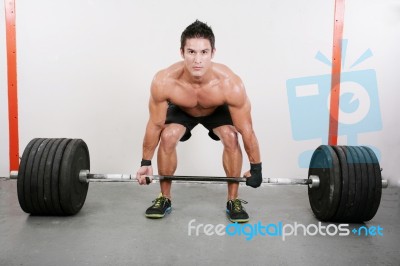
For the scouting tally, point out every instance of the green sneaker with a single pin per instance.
(160, 207)
(236, 212)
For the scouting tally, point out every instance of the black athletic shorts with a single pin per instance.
(219, 117)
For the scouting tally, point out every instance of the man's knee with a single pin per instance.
(171, 135)
(228, 136)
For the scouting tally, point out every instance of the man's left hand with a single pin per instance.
(254, 176)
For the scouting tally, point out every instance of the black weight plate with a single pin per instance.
(351, 209)
(72, 191)
(28, 176)
(343, 203)
(47, 188)
(371, 182)
(364, 183)
(378, 184)
(55, 173)
(41, 177)
(359, 184)
(324, 200)
(35, 178)
(21, 175)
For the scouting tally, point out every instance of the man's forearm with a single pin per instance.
(150, 141)
(251, 147)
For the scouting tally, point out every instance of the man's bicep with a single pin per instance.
(158, 111)
(241, 116)
(239, 104)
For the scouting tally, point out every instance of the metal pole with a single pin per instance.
(86, 176)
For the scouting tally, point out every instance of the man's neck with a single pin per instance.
(198, 80)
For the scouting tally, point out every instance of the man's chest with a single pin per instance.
(197, 96)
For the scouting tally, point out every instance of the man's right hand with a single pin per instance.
(142, 173)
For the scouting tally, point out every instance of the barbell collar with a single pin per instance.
(314, 181)
(385, 183)
(14, 175)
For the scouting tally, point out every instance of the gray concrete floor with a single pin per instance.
(112, 230)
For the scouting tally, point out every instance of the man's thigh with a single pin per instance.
(176, 116)
(221, 117)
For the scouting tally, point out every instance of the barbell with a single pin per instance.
(344, 182)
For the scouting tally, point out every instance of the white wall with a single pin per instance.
(85, 67)
(375, 25)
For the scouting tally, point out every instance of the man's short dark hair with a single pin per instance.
(198, 29)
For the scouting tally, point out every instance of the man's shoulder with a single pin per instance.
(165, 79)
(224, 72)
(169, 73)
(229, 78)
(223, 69)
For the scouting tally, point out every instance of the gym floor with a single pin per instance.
(111, 230)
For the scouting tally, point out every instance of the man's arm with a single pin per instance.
(158, 106)
(158, 109)
(240, 110)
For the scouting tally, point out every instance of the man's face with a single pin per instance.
(197, 55)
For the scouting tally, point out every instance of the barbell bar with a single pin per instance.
(344, 182)
(86, 177)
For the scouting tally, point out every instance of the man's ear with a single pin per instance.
(182, 55)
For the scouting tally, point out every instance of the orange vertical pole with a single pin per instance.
(336, 69)
(12, 83)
